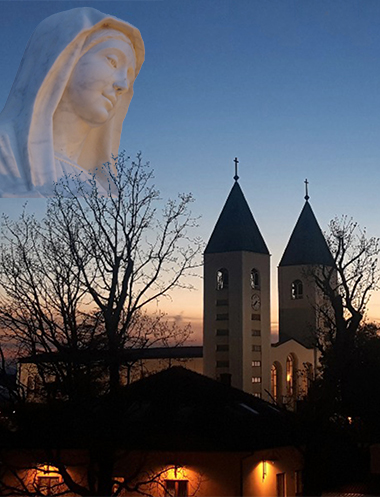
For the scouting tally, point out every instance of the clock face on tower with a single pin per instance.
(255, 302)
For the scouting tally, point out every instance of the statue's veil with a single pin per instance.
(27, 118)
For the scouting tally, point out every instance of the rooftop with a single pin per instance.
(175, 409)
(307, 244)
(236, 230)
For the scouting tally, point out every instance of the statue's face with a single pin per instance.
(98, 80)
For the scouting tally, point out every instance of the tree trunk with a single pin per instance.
(105, 472)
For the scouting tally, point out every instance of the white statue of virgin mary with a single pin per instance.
(66, 108)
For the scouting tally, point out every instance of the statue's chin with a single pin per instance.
(99, 118)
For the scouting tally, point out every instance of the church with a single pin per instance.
(237, 342)
(237, 346)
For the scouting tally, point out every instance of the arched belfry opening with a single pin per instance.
(222, 279)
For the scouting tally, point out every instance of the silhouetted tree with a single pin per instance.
(341, 412)
(346, 288)
(80, 279)
(349, 283)
(75, 289)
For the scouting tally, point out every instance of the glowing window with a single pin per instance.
(176, 488)
(256, 364)
(222, 279)
(297, 290)
(290, 377)
(255, 279)
(274, 382)
(256, 379)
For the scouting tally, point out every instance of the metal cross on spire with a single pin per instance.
(236, 177)
(306, 190)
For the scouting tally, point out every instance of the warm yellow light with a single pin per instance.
(47, 470)
(176, 473)
(265, 469)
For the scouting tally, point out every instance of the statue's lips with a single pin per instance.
(111, 99)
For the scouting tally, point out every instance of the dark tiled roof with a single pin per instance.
(236, 229)
(307, 245)
(178, 409)
(173, 410)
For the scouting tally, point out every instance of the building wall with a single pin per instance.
(302, 357)
(262, 469)
(208, 474)
(230, 321)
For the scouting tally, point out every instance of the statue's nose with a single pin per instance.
(121, 87)
(122, 84)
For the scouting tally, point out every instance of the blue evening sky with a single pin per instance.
(292, 88)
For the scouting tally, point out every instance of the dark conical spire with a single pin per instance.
(236, 229)
(307, 245)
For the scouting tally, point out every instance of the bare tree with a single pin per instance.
(346, 289)
(80, 279)
(78, 288)
(348, 284)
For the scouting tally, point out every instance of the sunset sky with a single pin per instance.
(292, 88)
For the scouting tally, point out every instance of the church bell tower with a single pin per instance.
(236, 336)
(299, 297)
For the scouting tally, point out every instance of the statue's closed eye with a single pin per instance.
(112, 61)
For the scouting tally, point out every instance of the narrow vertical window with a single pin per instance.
(255, 279)
(290, 378)
(222, 279)
(274, 382)
(297, 290)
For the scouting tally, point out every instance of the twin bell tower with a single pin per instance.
(237, 331)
